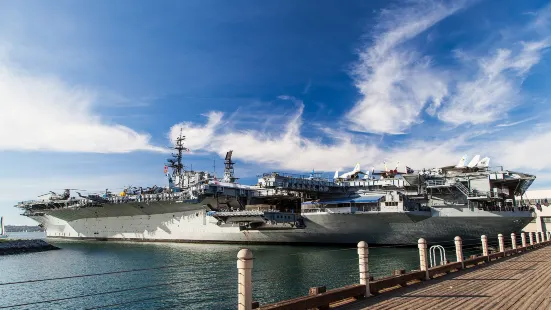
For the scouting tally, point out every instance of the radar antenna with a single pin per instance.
(176, 161)
(228, 168)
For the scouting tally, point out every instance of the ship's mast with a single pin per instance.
(228, 168)
(176, 162)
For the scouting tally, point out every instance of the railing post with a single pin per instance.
(537, 237)
(244, 279)
(513, 241)
(484, 240)
(423, 257)
(501, 243)
(531, 235)
(363, 253)
(523, 237)
(459, 250)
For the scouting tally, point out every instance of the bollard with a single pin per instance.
(423, 257)
(537, 237)
(459, 250)
(531, 235)
(244, 279)
(513, 241)
(523, 237)
(501, 243)
(484, 240)
(363, 253)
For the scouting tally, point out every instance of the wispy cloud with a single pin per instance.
(287, 148)
(397, 83)
(527, 150)
(40, 112)
(496, 86)
(307, 87)
(516, 123)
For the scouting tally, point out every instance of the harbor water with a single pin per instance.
(186, 276)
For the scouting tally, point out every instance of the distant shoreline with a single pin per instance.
(23, 228)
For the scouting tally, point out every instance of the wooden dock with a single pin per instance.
(516, 276)
(517, 282)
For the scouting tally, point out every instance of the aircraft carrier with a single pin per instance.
(380, 207)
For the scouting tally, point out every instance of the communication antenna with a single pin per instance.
(176, 161)
(228, 168)
(214, 167)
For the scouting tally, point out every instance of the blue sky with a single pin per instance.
(91, 92)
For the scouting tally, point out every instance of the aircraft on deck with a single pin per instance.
(351, 175)
(386, 173)
(56, 197)
(474, 164)
(390, 173)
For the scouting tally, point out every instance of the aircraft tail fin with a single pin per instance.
(474, 161)
(484, 162)
(336, 176)
(461, 162)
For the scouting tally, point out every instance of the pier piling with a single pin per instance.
(459, 250)
(523, 237)
(484, 241)
(423, 257)
(501, 242)
(363, 253)
(513, 241)
(244, 285)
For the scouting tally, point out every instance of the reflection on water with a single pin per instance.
(205, 276)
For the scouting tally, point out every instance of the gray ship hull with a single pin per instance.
(185, 222)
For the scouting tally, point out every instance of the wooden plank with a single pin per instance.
(388, 282)
(444, 268)
(495, 256)
(515, 282)
(475, 261)
(323, 299)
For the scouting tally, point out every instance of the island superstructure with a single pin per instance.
(383, 207)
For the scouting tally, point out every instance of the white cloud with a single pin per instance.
(496, 86)
(396, 84)
(197, 137)
(40, 112)
(529, 150)
(289, 149)
(516, 123)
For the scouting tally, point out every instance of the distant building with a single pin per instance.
(540, 200)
